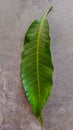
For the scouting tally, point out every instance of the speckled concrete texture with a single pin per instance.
(15, 111)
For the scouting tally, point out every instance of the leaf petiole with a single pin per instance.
(48, 11)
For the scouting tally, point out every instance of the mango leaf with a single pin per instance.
(36, 64)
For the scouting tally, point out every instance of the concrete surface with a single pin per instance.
(15, 111)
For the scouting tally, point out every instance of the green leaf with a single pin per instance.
(36, 64)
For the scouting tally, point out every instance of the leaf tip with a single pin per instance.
(41, 119)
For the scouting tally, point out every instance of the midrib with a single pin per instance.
(38, 43)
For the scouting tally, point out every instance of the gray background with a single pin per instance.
(15, 111)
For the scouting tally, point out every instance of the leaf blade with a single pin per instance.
(36, 65)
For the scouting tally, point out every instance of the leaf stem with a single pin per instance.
(48, 11)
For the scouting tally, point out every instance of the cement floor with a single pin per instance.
(15, 111)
